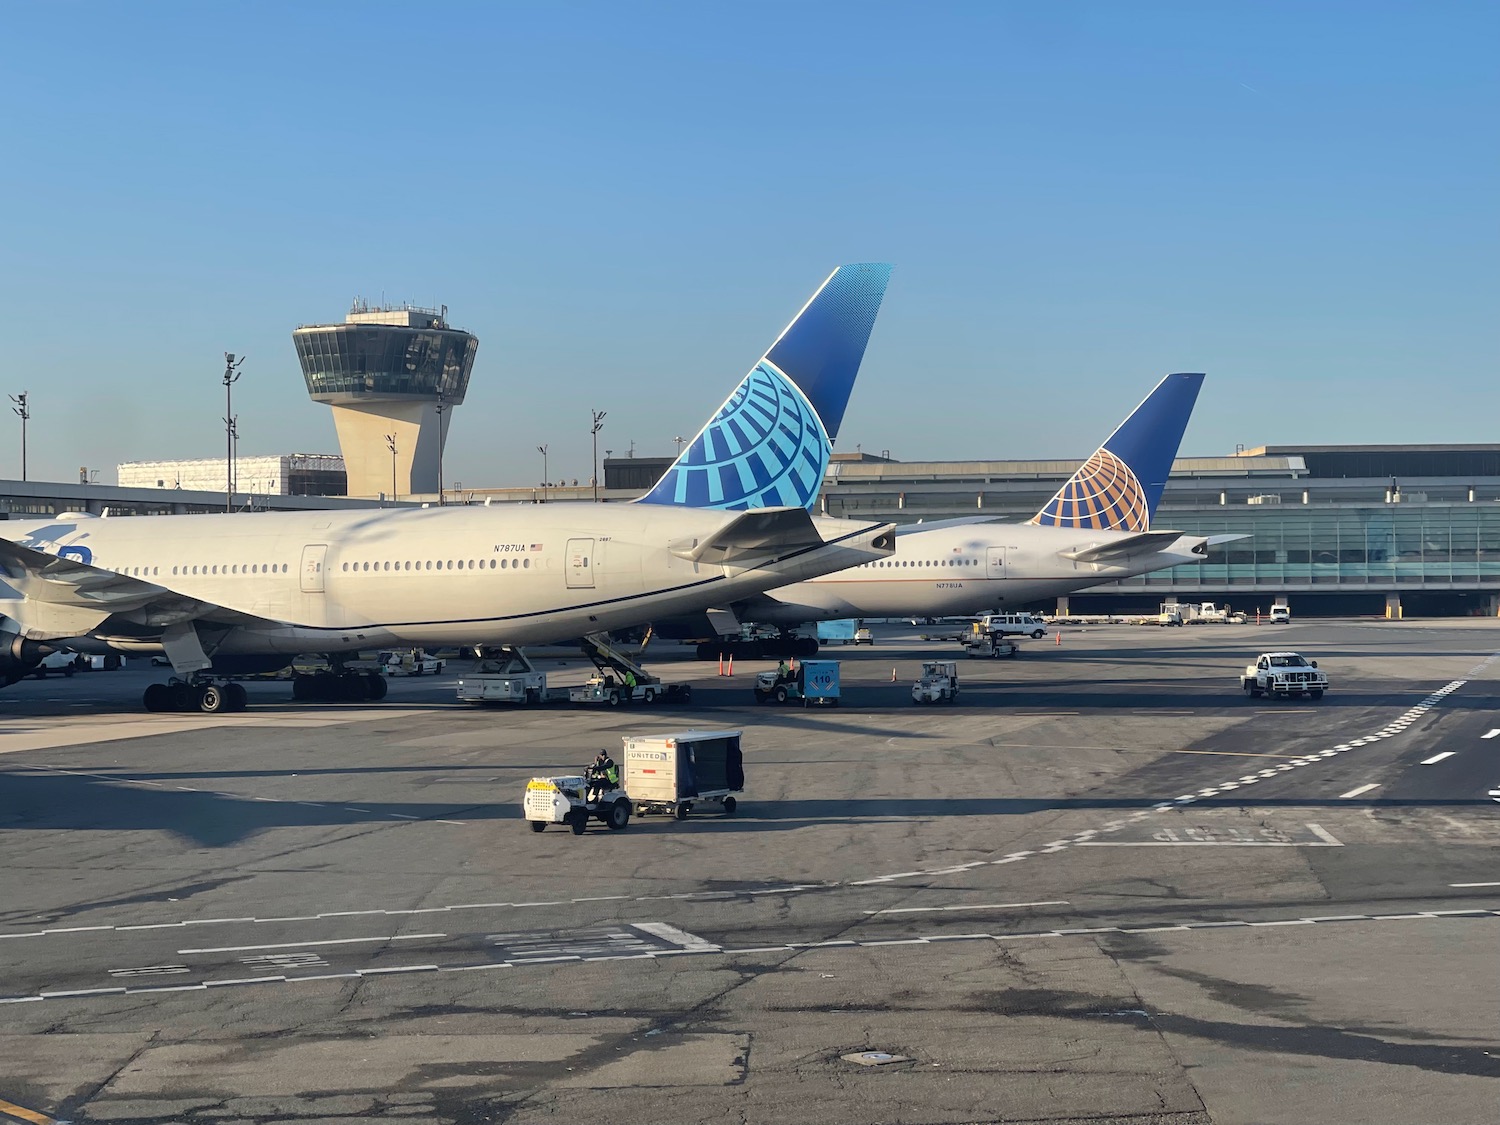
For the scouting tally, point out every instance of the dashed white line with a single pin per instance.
(306, 944)
(1438, 757)
(964, 906)
(1474, 884)
(1360, 789)
(1492, 734)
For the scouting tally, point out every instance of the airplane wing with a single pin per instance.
(758, 533)
(1137, 544)
(66, 598)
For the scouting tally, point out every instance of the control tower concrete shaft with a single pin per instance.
(389, 371)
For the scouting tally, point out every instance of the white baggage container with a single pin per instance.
(671, 772)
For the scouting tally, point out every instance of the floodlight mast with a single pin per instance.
(24, 412)
(232, 364)
(598, 424)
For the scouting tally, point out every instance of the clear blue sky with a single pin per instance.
(627, 201)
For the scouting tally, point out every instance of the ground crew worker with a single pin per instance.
(781, 671)
(629, 685)
(603, 775)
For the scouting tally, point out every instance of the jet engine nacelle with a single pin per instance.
(18, 656)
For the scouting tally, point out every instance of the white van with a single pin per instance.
(1281, 615)
(1013, 625)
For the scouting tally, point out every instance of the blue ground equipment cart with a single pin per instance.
(814, 682)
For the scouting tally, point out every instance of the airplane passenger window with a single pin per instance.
(153, 572)
(526, 563)
(504, 564)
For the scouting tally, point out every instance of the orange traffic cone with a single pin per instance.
(1057, 637)
(731, 665)
(893, 675)
(721, 663)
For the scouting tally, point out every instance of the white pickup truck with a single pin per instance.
(1283, 673)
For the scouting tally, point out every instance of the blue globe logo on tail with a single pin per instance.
(1104, 495)
(769, 445)
(765, 448)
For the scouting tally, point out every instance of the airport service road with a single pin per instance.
(1105, 886)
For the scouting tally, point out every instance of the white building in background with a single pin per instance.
(287, 474)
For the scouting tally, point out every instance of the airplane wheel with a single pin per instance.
(211, 700)
(157, 697)
(378, 686)
(236, 696)
(183, 696)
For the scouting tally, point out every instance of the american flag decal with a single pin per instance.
(536, 546)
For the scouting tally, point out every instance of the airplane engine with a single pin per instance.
(18, 656)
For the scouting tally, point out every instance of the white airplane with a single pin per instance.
(235, 594)
(1096, 529)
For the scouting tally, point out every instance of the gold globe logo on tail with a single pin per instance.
(1104, 495)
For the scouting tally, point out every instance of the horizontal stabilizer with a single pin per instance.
(1220, 540)
(758, 533)
(1140, 544)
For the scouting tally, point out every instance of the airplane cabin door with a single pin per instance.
(580, 564)
(312, 567)
(995, 563)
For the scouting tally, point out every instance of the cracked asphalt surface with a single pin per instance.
(1103, 887)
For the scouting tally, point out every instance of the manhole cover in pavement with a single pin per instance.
(873, 1058)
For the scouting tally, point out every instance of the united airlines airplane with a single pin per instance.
(1096, 529)
(233, 594)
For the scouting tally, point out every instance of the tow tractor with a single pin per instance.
(813, 682)
(937, 684)
(981, 642)
(564, 800)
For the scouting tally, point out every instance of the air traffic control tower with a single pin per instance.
(389, 373)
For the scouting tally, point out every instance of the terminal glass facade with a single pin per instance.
(384, 360)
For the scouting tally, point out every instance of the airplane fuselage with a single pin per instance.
(327, 581)
(962, 570)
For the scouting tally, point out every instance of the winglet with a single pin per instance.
(768, 446)
(1118, 488)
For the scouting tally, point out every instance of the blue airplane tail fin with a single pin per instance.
(768, 446)
(1118, 488)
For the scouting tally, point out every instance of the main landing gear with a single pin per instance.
(339, 687)
(199, 695)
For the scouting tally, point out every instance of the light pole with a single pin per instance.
(542, 449)
(24, 412)
(390, 443)
(442, 408)
(681, 441)
(231, 376)
(598, 424)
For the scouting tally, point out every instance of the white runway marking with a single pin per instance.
(702, 947)
(1474, 884)
(306, 944)
(964, 906)
(1438, 757)
(1492, 734)
(1357, 791)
